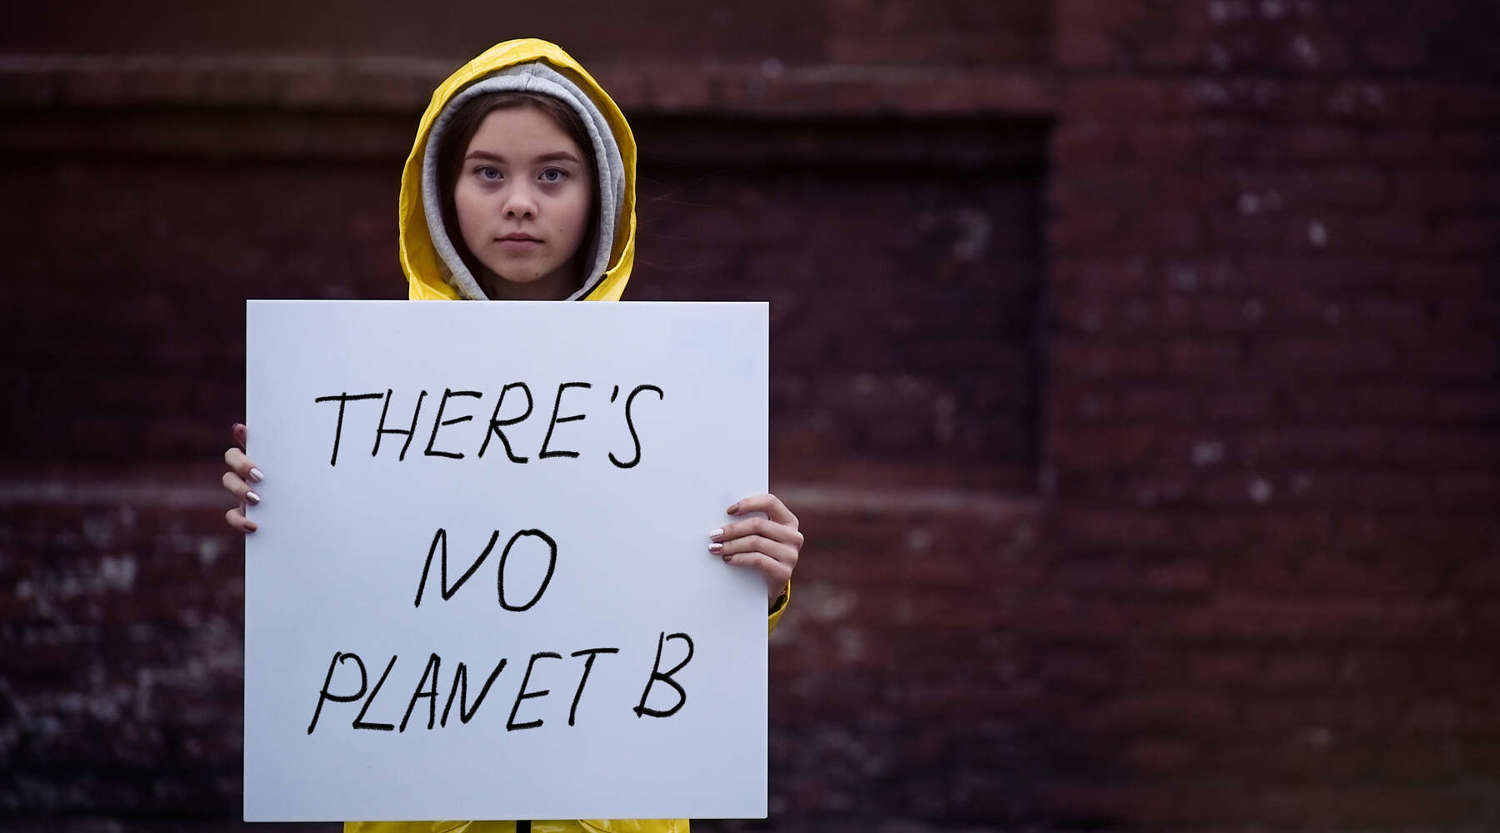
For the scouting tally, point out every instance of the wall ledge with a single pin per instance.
(390, 85)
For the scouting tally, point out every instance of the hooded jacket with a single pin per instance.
(434, 271)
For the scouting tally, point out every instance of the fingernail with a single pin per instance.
(256, 475)
(252, 497)
(716, 547)
(733, 509)
(716, 535)
(726, 558)
(250, 526)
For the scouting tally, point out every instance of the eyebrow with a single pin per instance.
(546, 157)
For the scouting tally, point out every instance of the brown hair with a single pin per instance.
(454, 143)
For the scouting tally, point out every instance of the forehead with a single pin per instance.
(521, 132)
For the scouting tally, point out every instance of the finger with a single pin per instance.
(241, 465)
(239, 488)
(769, 504)
(781, 553)
(758, 526)
(774, 572)
(238, 522)
(239, 434)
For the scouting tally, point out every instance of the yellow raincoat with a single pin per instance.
(424, 275)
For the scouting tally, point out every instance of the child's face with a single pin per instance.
(523, 201)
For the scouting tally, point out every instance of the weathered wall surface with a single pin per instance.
(1272, 412)
(1135, 370)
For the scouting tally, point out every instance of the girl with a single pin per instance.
(521, 185)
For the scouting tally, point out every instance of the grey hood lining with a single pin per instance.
(534, 77)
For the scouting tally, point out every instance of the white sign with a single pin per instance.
(481, 586)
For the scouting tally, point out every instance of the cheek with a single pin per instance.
(470, 210)
(575, 214)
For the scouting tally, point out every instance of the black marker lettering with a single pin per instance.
(588, 665)
(409, 432)
(461, 688)
(440, 539)
(338, 430)
(656, 674)
(439, 422)
(430, 672)
(505, 554)
(359, 719)
(629, 423)
(556, 405)
(325, 694)
(496, 423)
(511, 725)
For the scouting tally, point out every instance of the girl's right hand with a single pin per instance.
(242, 472)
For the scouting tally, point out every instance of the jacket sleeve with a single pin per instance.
(779, 607)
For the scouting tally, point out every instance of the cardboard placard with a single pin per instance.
(481, 587)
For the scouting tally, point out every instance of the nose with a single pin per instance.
(520, 203)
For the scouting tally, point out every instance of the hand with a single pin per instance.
(240, 471)
(770, 544)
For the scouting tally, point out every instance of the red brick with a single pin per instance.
(1427, 279)
(1116, 445)
(1237, 406)
(1317, 143)
(1184, 577)
(1082, 49)
(1467, 360)
(1088, 229)
(1323, 358)
(1397, 50)
(1096, 360)
(1243, 97)
(1312, 622)
(1157, 143)
(1400, 144)
(1098, 186)
(1448, 449)
(1467, 236)
(1112, 99)
(1076, 145)
(1165, 755)
(1107, 529)
(1464, 317)
(1469, 103)
(1158, 405)
(1074, 669)
(1469, 145)
(1465, 407)
(1101, 276)
(1204, 358)
(1444, 190)
(1298, 671)
(1390, 577)
(1345, 272)
(1233, 668)
(1469, 489)
(1179, 711)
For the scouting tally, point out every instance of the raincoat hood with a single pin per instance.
(434, 270)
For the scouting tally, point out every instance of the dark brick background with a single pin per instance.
(1135, 377)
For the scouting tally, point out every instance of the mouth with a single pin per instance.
(518, 238)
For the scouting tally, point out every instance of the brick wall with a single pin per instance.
(1272, 414)
(1150, 477)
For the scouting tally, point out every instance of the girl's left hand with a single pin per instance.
(770, 544)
